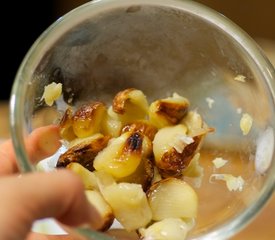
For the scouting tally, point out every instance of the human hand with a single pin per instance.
(33, 196)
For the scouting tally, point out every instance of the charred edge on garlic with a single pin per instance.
(120, 100)
(87, 111)
(66, 125)
(66, 120)
(142, 127)
(173, 112)
(108, 222)
(134, 143)
(172, 162)
(83, 153)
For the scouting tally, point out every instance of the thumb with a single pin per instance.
(34, 196)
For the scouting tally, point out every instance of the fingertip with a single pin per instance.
(43, 142)
(49, 140)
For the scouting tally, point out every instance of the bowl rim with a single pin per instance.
(223, 231)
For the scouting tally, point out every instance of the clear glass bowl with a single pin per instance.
(161, 47)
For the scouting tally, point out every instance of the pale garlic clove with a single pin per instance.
(103, 209)
(142, 126)
(123, 155)
(173, 150)
(66, 126)
(166, 229)
(192, 121)
(168, 111)
(172, 198)
(111, 125)
(51, 93)
(83, 153)
(87, 119)
(130, 105)
(88, 178)
(129, 204)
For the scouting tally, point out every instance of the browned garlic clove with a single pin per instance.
(87, 119)
(83, 153)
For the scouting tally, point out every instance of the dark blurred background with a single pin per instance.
(27, 20)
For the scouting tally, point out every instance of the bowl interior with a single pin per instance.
(100, 49)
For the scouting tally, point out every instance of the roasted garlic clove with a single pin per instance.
(142, 126)
(172, 198)
(103, 209)
(173, 149)
(129, 105)
(88, 178)
(143, 175)
(123, 155)
(166, 229)
(66, 126)
(129, 204)
(168, 111)
(83, 153)
(87, 119)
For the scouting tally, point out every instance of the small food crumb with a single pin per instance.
(232, 183)
(239, 110)
(246, 123)
(210, 102)
(51, 93)
(219, 162)
(240, 78)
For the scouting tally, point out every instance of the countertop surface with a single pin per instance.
(261, 228)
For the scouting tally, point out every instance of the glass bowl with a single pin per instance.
(161, 47)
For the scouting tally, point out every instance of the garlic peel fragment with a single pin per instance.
(246, 123)
(232, 183)
(219, 162)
